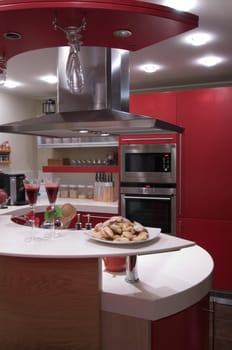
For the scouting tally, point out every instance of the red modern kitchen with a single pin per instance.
(115, 175)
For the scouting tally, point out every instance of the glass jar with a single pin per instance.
(72, 191)
(89, 191)
(81, 191)
(64, 191)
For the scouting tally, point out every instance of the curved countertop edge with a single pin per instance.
(170, 280)
(74, 244)
(163, 291)
(83, 205)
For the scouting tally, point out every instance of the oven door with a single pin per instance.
(152, 211)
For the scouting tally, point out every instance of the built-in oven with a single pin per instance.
(150, 205)
(148, 163)
(148, 184)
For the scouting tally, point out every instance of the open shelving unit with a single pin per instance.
(80, 169)
(5, 154)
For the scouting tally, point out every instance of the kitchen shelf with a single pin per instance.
(87, 142)
(80, 169)
(4, 155)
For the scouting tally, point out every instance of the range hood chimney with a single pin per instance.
(103, 106)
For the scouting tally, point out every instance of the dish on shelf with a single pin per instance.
(154, 233)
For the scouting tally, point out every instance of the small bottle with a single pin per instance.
(78, 224)
(88, 224)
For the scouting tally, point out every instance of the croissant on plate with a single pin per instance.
(120, 229)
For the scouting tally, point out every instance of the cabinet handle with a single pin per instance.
(149, 198)
(180, 227)
(180, 175)
(148, 139)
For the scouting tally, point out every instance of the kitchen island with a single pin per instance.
(56, 294)
(83, 205)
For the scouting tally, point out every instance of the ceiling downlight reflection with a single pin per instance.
(150, 67)
(209, 61)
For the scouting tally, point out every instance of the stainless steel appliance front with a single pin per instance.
(148, 163)
(151, 206)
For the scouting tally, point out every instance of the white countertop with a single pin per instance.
(168, 283)
(85, 205)
(173, 273)
(73, 243)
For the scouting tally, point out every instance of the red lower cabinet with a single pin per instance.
(215, 236)
(186, 330)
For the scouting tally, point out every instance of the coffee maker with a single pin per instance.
(14, 187)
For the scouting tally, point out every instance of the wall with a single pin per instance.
(23, 148)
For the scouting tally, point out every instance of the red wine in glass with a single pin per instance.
(32, 193)
(52, 187)
(52, 190)
(32, 189)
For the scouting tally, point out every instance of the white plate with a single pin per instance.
(153, 234)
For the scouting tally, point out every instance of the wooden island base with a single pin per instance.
(49, 304)
(56, 295)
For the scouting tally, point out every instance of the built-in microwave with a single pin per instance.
(148, 163)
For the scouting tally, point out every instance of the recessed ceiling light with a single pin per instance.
(209, 61)
(50, 79)
(198, 39)
(83, 131)
(122, 33)
(181, 5)
(12, 36)
(149, 68)
(11, 84)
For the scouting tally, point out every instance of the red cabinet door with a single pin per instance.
(160, 105)
(215, 236)
(207, 146)
(188, 329)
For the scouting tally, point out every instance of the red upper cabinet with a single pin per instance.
(206, 162)
(160, 105)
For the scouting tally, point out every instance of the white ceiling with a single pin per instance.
(177, 59)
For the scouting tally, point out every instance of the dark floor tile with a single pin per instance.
(221, 344)
(223, 329)
(223, 311)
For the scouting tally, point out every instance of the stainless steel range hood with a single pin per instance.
(103, 106)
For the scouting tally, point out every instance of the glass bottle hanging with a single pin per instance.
(74, 72)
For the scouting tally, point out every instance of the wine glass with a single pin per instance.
(52, 187)
(32, 188)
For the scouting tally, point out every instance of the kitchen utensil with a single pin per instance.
(68, 212)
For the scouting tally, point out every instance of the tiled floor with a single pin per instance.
(221, 325)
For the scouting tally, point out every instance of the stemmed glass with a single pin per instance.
(52, 187)
(32, 188)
